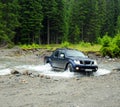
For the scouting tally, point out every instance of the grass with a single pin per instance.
(85, 47)
(91, 48)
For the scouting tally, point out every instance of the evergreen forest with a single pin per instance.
(57, 21)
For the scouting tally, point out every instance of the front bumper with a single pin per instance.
(79, 68)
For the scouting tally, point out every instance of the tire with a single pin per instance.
(70, 67)
(47, 62)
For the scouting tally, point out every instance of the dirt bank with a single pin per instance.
(27, 91)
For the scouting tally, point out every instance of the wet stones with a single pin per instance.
(31, 74)
(116, 69)
(19, 72)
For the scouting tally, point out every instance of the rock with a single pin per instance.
(14, 71)
(34, 75)
(31, 75)
(18, 75)
(17, 71)
(25, 72)
(41, 75)
(77, 79)
(47, 77)
(116, 69)
(107, 57)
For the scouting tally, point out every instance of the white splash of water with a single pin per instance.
(101, 72)
(6, 71)
(37, 68)
(47, 70)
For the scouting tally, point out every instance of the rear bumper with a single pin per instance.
(79, 68)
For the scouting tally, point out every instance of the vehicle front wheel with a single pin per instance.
(70, 67)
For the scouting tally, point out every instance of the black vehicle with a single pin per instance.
(72, 60)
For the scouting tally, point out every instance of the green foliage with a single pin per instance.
(31, 21)
(65, 44)
(33, 46)
(8, 21)
(111, 47)
(85, 44)
(56, 21)
(106, 40)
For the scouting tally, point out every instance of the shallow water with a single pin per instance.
(46, 70)
(6, 65)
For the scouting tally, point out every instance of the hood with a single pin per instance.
(80, 58)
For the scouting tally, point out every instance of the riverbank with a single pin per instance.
(46, 91)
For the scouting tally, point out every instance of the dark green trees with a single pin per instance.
(30, 18)
(56, 21)
(8, 20)
(87, 20)
(53, 21)
(50, 11)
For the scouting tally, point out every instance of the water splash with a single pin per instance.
(6, 71)
(47, 70)
(101, 72)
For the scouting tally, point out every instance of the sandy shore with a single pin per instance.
(26, 91)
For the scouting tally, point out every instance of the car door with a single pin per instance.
(62, 60)
(55, 59)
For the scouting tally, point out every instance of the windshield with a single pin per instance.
(75, 53)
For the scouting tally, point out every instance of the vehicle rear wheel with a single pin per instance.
(70, 67)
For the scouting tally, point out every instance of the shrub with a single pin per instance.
(116, 40)
(106, 51)
(33, 46)
(85, 44)
(115, 51)
(99, 40)
(111, 47)
(65, 44)
(116, 45)
(106, 40)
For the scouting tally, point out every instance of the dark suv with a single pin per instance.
(72, 60)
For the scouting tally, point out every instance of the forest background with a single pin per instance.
(59, 21)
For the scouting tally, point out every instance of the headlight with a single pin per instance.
(77, 61)
(95, 62)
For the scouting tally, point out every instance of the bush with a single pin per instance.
(111, 47)
(65, 44)
(106, 40)
(116, 40)
(85, 44)
(106, 51)
(33, 46)
(116, 45)
(115, 51)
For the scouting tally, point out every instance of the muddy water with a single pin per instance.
(6, 65)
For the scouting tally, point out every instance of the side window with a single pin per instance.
(61, 54)
(56, 54)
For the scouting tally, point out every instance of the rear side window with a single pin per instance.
(56, 54)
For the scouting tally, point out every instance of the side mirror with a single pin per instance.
(62, 55)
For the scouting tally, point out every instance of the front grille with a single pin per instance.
(81, 62)
(86, 62)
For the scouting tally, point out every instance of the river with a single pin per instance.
(106, 66)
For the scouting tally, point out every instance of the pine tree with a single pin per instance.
(110, 18)
(68, 7)
(30, 20)
(50, 11)
(9, 20)
(57, 28)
